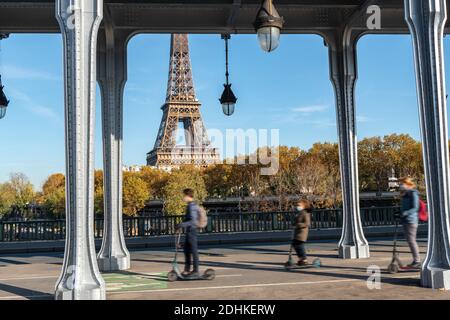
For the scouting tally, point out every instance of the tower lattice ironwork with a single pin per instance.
(181, 106)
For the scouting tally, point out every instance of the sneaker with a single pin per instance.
(185, 273)
(302, 262)
(193, 275)
(415, 265)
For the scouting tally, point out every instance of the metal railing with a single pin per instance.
(217, 223)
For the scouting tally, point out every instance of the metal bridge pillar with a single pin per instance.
(79, 21)
(343, 74)
(113, 254)
(426, 21)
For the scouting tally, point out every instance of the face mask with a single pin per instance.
(402, 187)
(299, 208)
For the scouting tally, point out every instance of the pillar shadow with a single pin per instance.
(409, 282)
(11, 261)
(310, 271)
(25, 293)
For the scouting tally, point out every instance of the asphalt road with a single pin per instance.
(243, 272)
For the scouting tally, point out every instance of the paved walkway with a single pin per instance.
(243, 272)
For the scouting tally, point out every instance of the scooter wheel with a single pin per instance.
(317, 263)
(210, 274)
(288, 265)
(393, 268)
(172, 276)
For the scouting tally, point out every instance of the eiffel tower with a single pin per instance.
(181, 107)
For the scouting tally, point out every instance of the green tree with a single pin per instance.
(22, 189)
(7, 197)
(185, 177)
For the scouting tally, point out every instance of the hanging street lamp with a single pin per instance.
(268, 25)
(3, 101)
(228, 99)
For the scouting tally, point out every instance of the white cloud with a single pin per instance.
(323, 123)
(16, 72)
(362, 119)
(38, 109)
(311, 109)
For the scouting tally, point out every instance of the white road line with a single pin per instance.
(228, 275)
(29, 278)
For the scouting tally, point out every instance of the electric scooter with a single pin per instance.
(176, 274)
(291, 265)
(396, 264)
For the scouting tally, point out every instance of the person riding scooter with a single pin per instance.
(190, 222)
(301, 225)
(409, 217)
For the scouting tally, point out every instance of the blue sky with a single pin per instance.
(288, 89)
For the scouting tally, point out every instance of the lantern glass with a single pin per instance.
(228, 108)
(2, 111)
(269, 38)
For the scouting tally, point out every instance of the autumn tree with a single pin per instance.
(180, 179)
(7, 198)
(218, 180)
(155, 179)
(98, 192)
(405, 157)
(379, 158)
(283, 182)
(328, 154)
(135, 194)
(53, 196)
(23, 189)
(310, 176)
(374, 164)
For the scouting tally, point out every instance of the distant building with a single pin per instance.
(134, 168)
(181, 109)
(393, 182)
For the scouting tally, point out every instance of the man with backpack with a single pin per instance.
(194, 218)
(409, 217)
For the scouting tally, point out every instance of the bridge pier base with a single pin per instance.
(79, 21)
(426, 21)
(343, 74)
(113, 255)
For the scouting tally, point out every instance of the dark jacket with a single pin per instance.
(302, 223)
(410, 207)
(190, 220)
